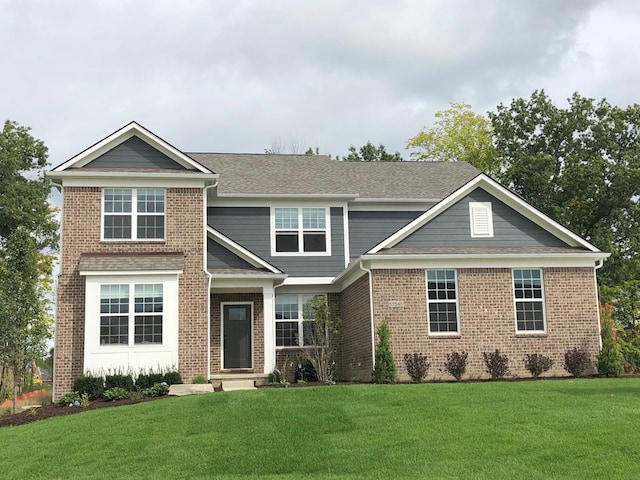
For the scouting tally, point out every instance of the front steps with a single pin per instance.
(231, 385)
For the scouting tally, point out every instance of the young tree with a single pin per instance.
(610, 360)
(458, 134)
(371, 153)
(385, 367)
(321, 330)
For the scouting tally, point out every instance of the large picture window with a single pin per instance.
(442, 301)
(300, 230)
(134, 214)
(127, 309)
(292, 317)
(529, 298)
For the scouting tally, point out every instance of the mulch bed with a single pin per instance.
(54, 410)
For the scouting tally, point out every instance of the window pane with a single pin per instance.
(443, 317)
(286, 242)
(527, 285)
(311, 332)
(286, 334)
(117, 226)
(150, 201)
(287, 307)
(313, 218)
(117, 200)
(315, 242)
(114, 330)
(148, 329)
(286, 218)
(148, 298)
(150, 226)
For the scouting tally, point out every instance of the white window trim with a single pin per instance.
(300, 320)
(481, 219)
(541, 300)
(300, 253)
(455, 278)
(134, 216)
(253, 334)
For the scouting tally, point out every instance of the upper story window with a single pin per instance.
(133, 214)
(442, 302)
(300, 231)
(529, 298)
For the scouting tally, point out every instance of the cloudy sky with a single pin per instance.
(233, 76)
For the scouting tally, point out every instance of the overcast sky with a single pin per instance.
(232, 76)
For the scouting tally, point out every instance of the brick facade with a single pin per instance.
(487, 318)
(81, 220)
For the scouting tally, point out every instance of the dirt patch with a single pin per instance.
(48, 411)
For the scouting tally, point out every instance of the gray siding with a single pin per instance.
(220, 257)
(452, 228)
(249, 227)
(367, 229)
(134, 153)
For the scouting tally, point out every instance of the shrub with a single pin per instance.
(306, 373)
(118, 380)
(631, 354)
(69, 398)
(275, 376)
(172, 377)
(576, 362)
(385, 368)
(117, 393)
(537, 364)
(93, 386)
(456, 364)
(417, 366)
(158, 390)
(497, 364)
(199, 379)
(143, 380)
(610, 360)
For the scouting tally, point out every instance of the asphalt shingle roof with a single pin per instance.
(261, 174)
(111, 262)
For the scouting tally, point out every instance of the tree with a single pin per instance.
(321, 330)
(458, 134)
(610, 360)
(371, 153)
(581, 166)
(385, 368)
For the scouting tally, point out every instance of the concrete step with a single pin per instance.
(182, 389)
(237, 384)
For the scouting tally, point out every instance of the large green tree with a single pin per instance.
(458, 134)
(580, 165)
(370, 153)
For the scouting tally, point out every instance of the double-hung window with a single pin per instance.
(529, 298)
(442, 301)
(131, 314)
(292, 317)
(133, 214)
(300, 230)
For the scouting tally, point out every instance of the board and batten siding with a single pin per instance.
(452, 228)
(134, 153)
(250, 227)
(368, 228)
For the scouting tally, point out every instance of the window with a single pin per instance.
(133, 214)
(292, 315)
(442, 301)
(300, 230)
(527, 288)
(481, 219)
(116, 316)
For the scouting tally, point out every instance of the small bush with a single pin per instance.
(306, 373)
(631, 354)
(497, 364)
(456, 364)
(117, 393)
(69, 398)
(158, 390)
(199, 380)
(417, 366)
(537, 364)
(118, 380)
(385, 367)
(143, 380)
(172, 378)
(576, 362)
(91, 385)
(275, 376)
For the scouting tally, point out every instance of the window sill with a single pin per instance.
(531, 335)
(129, 241)
(445, 335)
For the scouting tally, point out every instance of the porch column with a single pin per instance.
(268, 298)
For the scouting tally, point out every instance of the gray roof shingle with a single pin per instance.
(261, 174)
(122, 262)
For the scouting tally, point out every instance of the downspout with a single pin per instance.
(60, 187)
(599, 264)
(206, 271)
(373, 329)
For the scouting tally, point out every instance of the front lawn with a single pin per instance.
(539, 429)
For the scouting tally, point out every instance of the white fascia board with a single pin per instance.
(240, 251)
(123, 134)
(102, 273)
(502, 194)
(242, 284)
(86, 178)
(308, 281)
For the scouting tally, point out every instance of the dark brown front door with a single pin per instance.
(236, 329)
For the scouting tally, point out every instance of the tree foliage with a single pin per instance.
(458, 134)
(321, 335)
(371, 153)
(385, 368)
(610, 359)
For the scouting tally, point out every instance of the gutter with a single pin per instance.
(60, 187)
(206, 271)
(373, 330)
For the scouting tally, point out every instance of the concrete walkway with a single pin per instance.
(182, 389)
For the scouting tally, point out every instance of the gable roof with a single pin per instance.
(123, 134)
(240, 251)
(309, 175)
(502, 194)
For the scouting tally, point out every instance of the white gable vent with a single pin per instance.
(481, 219)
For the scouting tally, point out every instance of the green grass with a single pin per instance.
(534, 430)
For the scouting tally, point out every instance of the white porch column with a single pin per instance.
(268, 298)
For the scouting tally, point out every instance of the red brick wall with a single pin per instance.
(81, 223)
(487, 318)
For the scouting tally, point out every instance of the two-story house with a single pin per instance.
(204, 261)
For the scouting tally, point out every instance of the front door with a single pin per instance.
(236, 334)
